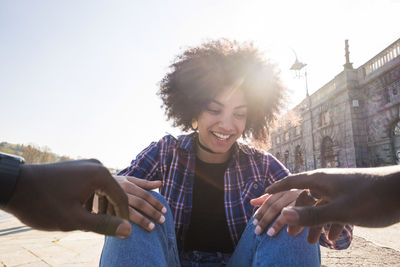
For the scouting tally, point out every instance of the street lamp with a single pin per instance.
(297, 67)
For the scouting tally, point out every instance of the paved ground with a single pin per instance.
(23, 246)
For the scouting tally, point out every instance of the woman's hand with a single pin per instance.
(144, 208)
(270, 207)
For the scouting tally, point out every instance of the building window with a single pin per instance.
(286, 136)
(397, 129)
(328, 157)
(278, 156)
(324, 118)
(393, 92)
(286, 158)
(278, 140)
(396, 142)
(299, 162)
(297, 130)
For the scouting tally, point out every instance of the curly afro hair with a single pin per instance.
(200, 73)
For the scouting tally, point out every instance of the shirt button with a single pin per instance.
(255, 186)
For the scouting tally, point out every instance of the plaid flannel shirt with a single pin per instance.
(248, 173)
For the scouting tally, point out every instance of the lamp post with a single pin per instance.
(297, 67)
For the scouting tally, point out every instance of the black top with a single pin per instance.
(208, 230)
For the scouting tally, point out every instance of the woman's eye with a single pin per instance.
(240, 115)
(213, 111)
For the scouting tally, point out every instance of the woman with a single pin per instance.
(222, 91)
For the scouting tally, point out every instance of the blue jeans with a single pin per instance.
(158, 248)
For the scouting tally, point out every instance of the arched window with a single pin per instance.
(327, 156)
(396, 142)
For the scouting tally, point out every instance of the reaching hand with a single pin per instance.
(314, 233)
(365, 197)
(58, 196)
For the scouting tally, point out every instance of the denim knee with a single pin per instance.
(287, 250)
(143, 248)
(281, 250)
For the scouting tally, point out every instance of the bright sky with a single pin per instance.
(81, 76)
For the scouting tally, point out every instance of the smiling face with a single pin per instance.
(220, 124)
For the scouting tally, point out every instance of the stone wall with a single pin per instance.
(349, 122)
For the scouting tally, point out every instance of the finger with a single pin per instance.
(141, 220)
(335, 231)
(103, 224)
(264, 218)
(280, 222)
(145, 184)
(116, 196)
(304, 199)
(291, 215)
(138, 192)
(277, 226)
(311, 216)
(257, 202)
(291, 218)
(146, 208)
(314, 234)
(265, 206)
(299, 181)
(294, 230)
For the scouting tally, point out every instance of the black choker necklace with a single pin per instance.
(206, 148)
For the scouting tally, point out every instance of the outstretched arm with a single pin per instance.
(364, 197)
(58, 196)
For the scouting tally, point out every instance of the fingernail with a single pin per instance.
(258, 230)
(255, 222)
(123, 230)
(162, 219)
(291, 215)
(151, 226)
(164, 210)
(271, 232)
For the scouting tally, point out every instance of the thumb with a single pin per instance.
(307, 216)
(260, 200)
(105, 224)
(145, 184)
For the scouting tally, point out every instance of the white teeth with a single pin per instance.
(221, 136)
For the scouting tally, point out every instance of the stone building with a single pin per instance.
(352, 121)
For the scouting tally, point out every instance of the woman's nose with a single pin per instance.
(226, 123)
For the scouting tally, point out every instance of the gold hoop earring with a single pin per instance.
(194, 124)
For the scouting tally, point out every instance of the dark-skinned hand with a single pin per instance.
(58, 197)
(144, 208)
(306, 200)
(364, 197)
(269, 207)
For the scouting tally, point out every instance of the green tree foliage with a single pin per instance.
(32, 153)
(65, 158)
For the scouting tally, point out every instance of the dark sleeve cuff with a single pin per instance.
(9, 173)
(7, 186)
